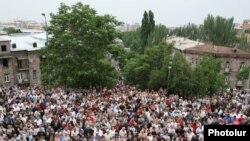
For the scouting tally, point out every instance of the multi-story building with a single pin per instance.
(246, 28)
(243, 30)
(233, 60)
(19, 63)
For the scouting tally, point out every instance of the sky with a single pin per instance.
(167, 12)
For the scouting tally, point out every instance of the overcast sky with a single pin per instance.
(168, 12)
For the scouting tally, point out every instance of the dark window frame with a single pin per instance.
(3, 48)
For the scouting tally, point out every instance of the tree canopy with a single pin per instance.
(147, 27)
(76, 54)
(216, 30)
(11, 30)
(208, 79)
(219, 30)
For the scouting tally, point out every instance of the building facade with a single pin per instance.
(243, 30)
(233, 60)
(20, 64)
(6, 60)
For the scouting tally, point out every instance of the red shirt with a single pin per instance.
(168, 102)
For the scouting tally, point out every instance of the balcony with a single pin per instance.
(227, 70)
(23, 65)
(239, 83)
(23, 68)
(23, 81)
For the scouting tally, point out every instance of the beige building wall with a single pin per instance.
(234, 65)
(34, 69)
(6, 64)
(246, 26)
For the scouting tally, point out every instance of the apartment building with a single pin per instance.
(233, 59)
(243, 29)
(19, 63)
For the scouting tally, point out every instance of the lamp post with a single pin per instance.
(249, 79)
(46, 26)
(169, 70)
(46, 43)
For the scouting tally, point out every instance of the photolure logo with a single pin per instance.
(225, 132)
(214, 132)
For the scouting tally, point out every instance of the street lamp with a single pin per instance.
(46, 43)
(249, 79)
(169, 70)
(46, 27)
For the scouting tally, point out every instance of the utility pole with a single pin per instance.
(46, 44)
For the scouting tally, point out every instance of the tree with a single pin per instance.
(132, 40)
(147, 27)
(243, 74)
(181, 76)
(140, 69)
(219, 31)
(216, 30)
(190, 31)
(208, 80)
(11, 30)
(119, 53)
(151, 21)
(243, 44)
(144, 29)
(158, 35)
(76, 51)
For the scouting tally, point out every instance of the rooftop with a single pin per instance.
(182, 43)
(25, 41)
(219, 51)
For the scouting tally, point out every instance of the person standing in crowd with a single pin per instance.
(123, 113)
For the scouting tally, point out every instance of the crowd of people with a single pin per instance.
(120, 114)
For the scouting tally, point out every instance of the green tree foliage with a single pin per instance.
(219, 31)
(243, 44)
(243, 74)
(147, 27)
(144, 29)
(76, 51)
(132, 40)
(151, 22)
(181, 76)
(208, 79)
(158, 35)
(151, 71)
(11, 30)
(119, 53)
(141, 68)
(190, 31)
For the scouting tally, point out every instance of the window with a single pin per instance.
(227, 78)
(196, 61)
(14, 45)
(5, 63)
(6, 78)
(242, 65)
(192, 60)
(19, 64)
(20, 76)
(4, 48)
(227, 65)
(23, 64)
(35, 44)
(34, 75)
